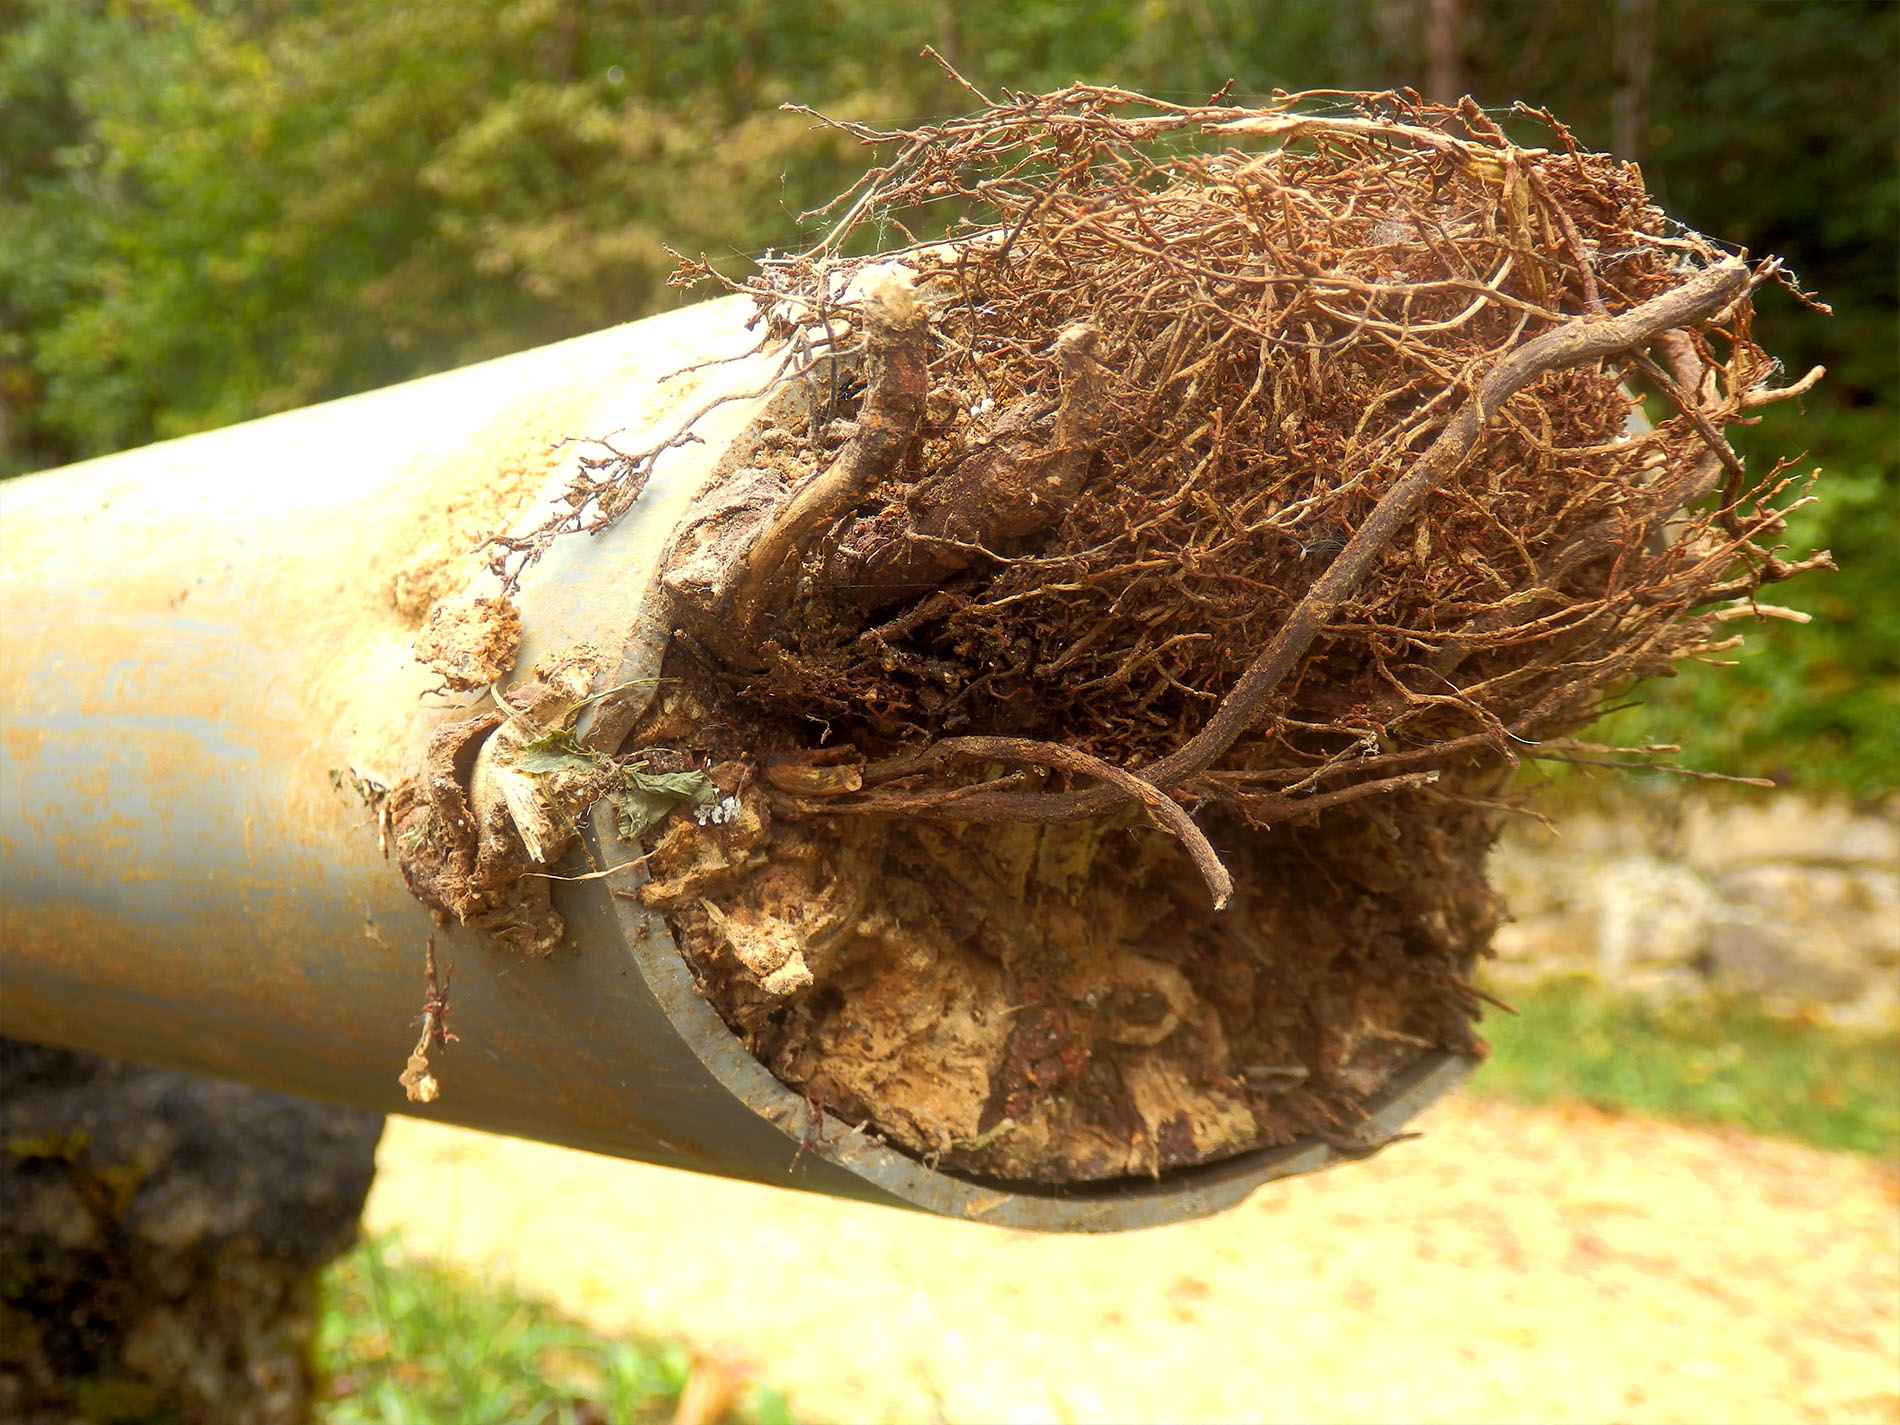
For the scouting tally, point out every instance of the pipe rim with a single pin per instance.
(1117, 1205)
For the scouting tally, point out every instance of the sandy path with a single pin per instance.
(1514, 1265)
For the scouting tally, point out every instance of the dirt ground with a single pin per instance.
(1513, 1265)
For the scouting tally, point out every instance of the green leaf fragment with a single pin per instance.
(694, 787)
(647, 797)
(555, 752)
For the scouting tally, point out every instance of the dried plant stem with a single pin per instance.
(418, 1084)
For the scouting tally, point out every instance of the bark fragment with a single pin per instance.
(475, 827)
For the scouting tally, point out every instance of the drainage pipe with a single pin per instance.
(203, 641)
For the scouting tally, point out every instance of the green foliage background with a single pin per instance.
(214, 209)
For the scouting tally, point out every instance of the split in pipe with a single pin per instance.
(201, 644)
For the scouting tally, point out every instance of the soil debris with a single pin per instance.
(1060, 1003)
(470, 642)
(448, 543)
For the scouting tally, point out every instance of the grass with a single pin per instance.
(1697, 1063)
(408, 1342)
(1810, 706)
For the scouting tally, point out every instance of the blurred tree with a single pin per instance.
(218, 208)
(1444, 50)
(222, 210)
(1635, 63)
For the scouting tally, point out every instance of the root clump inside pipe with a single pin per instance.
(1107, 648)
(1060, 1002)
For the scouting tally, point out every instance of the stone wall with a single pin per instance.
(1793, 901)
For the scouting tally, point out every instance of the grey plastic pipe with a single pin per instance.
(198, 649)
